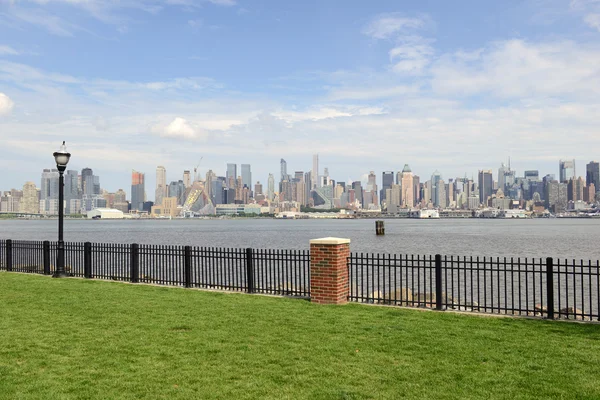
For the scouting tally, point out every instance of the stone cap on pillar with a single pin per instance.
(330, 240)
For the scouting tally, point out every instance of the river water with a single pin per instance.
(564, 238)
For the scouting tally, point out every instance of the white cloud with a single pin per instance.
(180, 128)
(6, 104)
(593, 20)
(7, 50)
(411, 58)
(387, 26)
(520, 69)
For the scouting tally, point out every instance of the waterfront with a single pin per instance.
(564, 238)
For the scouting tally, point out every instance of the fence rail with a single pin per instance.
(548, 288)
(278, 272)
(541, 287)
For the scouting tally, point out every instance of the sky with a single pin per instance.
(368, 85)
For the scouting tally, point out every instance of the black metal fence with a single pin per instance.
(547, 287)
(277, 272)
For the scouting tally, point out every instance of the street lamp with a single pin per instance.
(62, 159)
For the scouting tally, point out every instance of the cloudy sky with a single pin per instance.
(454, 86)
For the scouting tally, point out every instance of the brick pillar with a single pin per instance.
(329, 270)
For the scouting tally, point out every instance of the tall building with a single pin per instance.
(271, 187)
(408, 196)
(231, 175)
(30, 202)
(435, 186)
(161, 185)
(592, 176)
(137, 190)
(307, 187)
(566, 170)
(575, 189)
(87, 181)
(283, 170)
(486, 184)
(417, 189)
(247, 176)
(258, 189)
(72, 191)
(49, 184)
(532, 175)
(387, 180)
(501, 176)
(210, 177)
(358, 192)
(187, 179)
(314, 172)
(441, 193)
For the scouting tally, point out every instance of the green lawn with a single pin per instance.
(72, 338)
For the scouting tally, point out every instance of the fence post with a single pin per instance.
(249, 270)
(550, 287)
(9, 261)
(438, 282)
(187, 266)
(329, 281)
(135, 263)
(87, 260)
(46, 247)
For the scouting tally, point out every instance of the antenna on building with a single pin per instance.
(509, 163)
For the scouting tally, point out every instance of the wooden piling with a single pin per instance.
(379, 228)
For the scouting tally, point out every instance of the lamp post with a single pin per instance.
(62, 159)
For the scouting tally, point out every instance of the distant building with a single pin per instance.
(105, 213)
(408, 197)
(593, 174)
(168, 208)
(566, 170)
(247, 176)
(486, 183)
(30, 202)
(137, 190)
(387, 179)
(231, 175)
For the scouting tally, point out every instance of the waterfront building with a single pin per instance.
(30, 202)
(566, 170)
(137, 190)
(72, 190)
(416, 189)
(105, 213)
(593, 174)
(177, 189)
(358, 192)
(161, 190)
(556, 196)
(441, 193)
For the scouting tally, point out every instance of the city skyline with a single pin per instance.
(222, 80)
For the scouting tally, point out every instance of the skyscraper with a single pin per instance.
(137, 190)
(283, 170)
(247, 176)
(314, 173)
(87, 187)
(231, 175)
(501, 176)
(187, 179)
(408, 196)
(435, 192)
(271, 187)
(593, 174)
(161, 184)
(486, 184)
(358, 192)
(387, 180)
(258, 189)
(566, 170)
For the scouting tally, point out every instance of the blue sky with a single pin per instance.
(453, 86)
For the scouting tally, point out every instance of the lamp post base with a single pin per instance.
(60, 274)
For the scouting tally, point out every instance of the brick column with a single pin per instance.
(329, 270)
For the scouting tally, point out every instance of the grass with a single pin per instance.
(72, 338)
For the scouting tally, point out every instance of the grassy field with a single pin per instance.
(72, 338)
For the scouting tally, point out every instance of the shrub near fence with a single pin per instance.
(277, 272)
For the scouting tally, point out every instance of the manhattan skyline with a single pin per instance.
(454, 87)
